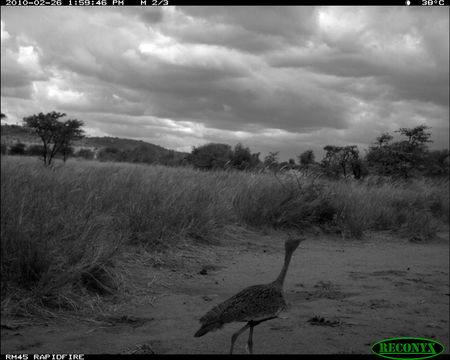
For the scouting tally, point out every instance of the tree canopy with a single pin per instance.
(400, 158)
(56, 135)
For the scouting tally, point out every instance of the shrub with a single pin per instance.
(17, 149)
(211, 156)
(85, 153)
(35, 150)
(111, 154)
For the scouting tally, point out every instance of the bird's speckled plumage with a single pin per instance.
(254, 304)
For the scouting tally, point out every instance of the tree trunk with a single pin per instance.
(45, 154)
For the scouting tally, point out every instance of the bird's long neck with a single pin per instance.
(280, 279)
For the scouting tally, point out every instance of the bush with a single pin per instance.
(85, 153)
(111, 154)
(35, 150)
(17, 149)
(211, 156)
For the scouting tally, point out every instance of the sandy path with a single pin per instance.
(370, 290)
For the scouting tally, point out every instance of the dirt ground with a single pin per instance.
(344, 295)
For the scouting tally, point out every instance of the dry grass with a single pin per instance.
(62, 227)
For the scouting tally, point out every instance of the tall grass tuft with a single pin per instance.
(268, 200)
(390, 205)
(55, 241)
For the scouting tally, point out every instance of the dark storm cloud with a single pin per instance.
(149, 15)
(265, 76)
(250, 29)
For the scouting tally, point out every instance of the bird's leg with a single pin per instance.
(236, 334)
(252, 324)
(250, 341)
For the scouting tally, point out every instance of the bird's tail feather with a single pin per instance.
(207, 328)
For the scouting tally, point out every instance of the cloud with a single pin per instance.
(254, 29)
(4, 34)
(286, 78)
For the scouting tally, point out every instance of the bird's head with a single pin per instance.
(293, 242)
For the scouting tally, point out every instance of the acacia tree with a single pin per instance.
(417, 137)
(343, 158)
(403, 157)
(243, 159)
(56, 135)
(70, 131)
(330, 161)
(271, 160)
(306, 159)
(383, 140)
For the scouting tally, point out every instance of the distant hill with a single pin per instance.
(137, 149)
(13, 133)
(115, 142)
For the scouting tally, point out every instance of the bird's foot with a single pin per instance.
(247, 350)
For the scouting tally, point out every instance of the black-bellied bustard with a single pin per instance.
(252, 305)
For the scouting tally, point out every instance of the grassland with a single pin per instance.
(62, 227)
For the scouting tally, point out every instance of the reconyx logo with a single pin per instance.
(407, 348)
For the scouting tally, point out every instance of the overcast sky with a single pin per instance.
(282, 79)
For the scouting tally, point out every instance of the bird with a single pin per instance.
(253, 305)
